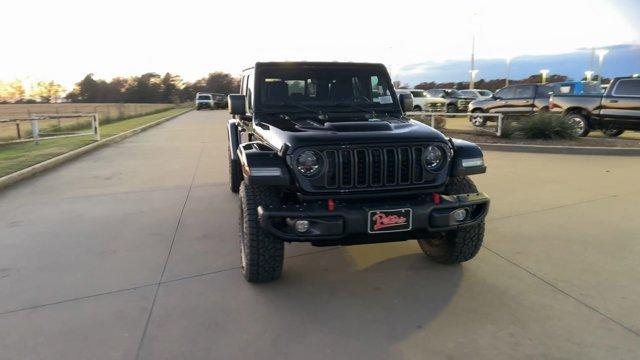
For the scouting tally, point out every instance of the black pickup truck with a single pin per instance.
(613, 113)
(322, 153)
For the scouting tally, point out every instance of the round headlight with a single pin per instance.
(434, 157)
(309, 163)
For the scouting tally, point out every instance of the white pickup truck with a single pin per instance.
(422, 101)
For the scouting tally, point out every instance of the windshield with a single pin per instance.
(363, 87)
(455, 93)
(468, 93)
(204, 97)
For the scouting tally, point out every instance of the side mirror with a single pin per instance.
(237, 104)
(406, 102)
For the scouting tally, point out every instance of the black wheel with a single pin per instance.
(459, 245)
(478, 121)
(235, 173)
(612, 132)
(580, 124)
(452, 108)
(417, 108)
(262, 254)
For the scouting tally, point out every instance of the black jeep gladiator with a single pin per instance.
(613, 113)
(322, 153)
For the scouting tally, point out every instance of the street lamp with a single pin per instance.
(601, 53)
(589, 75)
(506, 81)
(473, 77)
(544, 73)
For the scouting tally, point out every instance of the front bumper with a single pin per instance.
(201, 105)
(348, 223)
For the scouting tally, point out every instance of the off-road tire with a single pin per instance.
(262, 254)
(581, 122)
(235, 173)
(459, 245)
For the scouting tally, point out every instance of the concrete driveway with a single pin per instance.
(131, 252)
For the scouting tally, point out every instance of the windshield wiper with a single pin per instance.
(321, 114)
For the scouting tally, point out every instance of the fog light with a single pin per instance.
(302, 225)
(459, 215)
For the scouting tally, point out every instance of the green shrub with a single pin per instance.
(545, 126)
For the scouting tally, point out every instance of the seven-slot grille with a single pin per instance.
(356, 168)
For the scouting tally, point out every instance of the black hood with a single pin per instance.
(306, 132)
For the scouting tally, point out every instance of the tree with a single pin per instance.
(220, 82)
(170, 88)
(47, 91)
(13, 91)
(143, 89)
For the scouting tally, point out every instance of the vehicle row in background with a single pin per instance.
(422, 101)
(210, 101)
(522, 99)
(613, 112)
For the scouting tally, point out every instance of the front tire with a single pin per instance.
(452, 108)
(417, 108)
(580, 123)
(459, 245)
(478, 121)
(262, 254)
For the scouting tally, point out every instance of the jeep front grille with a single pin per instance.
(356, 168)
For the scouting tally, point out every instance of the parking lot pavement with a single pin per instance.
(132, 252)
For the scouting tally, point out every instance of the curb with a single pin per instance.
(61, 159)
(565, 150)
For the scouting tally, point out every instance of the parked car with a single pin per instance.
(422, 101)
(204, 101)
(521, 99)
(456, 101)
(219, 101)
(613, 113)
(322, 153)
(477, 94)
(576, 88)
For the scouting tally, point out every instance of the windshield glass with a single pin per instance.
(455, 93)
(366, 87)
(468, 93)
(204, 97)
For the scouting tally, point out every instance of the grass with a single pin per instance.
(15, 157)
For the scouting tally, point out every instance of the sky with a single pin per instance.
(63, 40)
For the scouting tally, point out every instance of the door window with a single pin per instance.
(505, 93)
(523, 92)
(627, 87)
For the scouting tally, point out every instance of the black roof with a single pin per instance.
(311, 63)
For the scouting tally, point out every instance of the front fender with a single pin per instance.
(467, 158)
(232, 131)
(261, 165)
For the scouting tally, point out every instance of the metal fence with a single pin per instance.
(33, 131)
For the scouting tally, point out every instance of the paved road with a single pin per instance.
(131, 252)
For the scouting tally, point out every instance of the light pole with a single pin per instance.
(506, 81)
(544, 73)
(473, 77)
(589, 75)
(601, 53)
